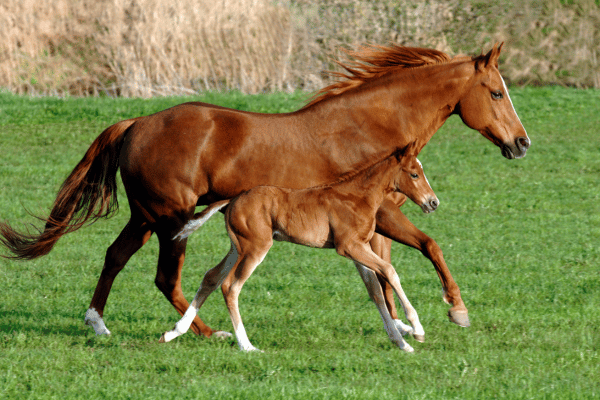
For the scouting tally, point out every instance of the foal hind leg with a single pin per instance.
(251, 255)
(168, 279)
(212, 280)
(135, 234)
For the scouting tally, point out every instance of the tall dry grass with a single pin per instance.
(144, 47)
(153, 47)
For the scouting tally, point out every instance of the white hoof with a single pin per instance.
(250, 348)
(168, 336)
(222, 335)
(93, 319)
(403, 328)
(408, 348)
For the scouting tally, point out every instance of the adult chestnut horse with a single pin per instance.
(196, 154)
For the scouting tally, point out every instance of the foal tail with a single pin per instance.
(200, 218)
(88, 194)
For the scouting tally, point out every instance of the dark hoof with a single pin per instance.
(460, 318)
(419, 338)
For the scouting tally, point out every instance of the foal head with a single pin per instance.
(411, 181)
(487, 108)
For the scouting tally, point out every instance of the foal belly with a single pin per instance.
(312, 238)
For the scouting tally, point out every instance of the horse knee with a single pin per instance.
(429, 247)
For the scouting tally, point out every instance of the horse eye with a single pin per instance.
(497, 95)
(414, 176)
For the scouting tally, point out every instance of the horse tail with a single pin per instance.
(88, 194)
(200, 218)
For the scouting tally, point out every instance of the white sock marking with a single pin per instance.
(93, 319)
(242, 338)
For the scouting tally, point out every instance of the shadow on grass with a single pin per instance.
(12, 321)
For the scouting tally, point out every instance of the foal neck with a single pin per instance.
(374, 182)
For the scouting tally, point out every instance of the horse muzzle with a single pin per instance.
(518, 149)
(430, 205)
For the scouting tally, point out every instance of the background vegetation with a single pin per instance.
(157, 47)
(521, 238)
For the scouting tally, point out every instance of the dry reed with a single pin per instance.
(162, 47)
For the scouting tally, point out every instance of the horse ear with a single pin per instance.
(495, 54)
(491, 58)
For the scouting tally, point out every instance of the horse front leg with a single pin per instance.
(392, 223)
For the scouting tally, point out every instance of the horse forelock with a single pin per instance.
(373, 61)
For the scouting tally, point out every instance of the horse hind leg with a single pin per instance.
(168, 279)
(135, 234)
(211, 281)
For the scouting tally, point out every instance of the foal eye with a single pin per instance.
(414, 176)
(497, 95)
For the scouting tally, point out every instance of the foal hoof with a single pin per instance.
(419, 338)
(460, 318)
(221, 335)
(162, 339)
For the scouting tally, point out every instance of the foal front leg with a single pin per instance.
(394, 327)
(362, 254)
(382, 246)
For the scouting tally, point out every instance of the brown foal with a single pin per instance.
(339, 215)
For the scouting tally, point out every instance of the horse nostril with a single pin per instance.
(434, 203)
(523, 143)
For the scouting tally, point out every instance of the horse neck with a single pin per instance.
(380, 115)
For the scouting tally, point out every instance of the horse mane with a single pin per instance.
(373, 61)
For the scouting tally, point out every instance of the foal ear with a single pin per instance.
(410, 149)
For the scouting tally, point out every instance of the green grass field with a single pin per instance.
(521, 238)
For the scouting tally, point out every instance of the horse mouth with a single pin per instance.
(507, 153)
(517, 149)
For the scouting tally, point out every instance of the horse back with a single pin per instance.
(197, 153)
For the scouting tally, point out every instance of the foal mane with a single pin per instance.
(373, 61)
(346, 176)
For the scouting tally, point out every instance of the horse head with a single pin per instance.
(486, 107)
